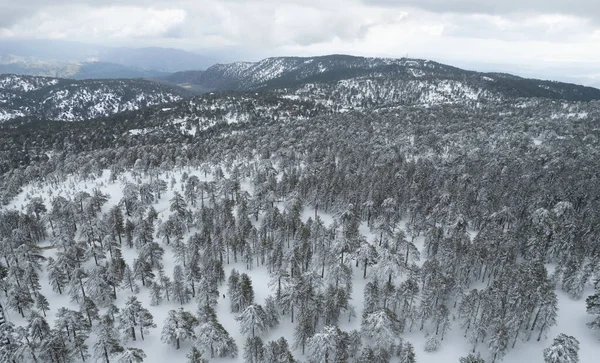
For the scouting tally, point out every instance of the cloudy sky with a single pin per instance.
(557, 39)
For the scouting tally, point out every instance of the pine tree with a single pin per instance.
(471, 358)
(41, 303)
(195, 356)
(107, 341)
(56, 276)
(253, 320)
(381, 327)
(564, 349)
(90, 310)
(166, 284)
(323, 346)
(142, 270)
(432, 344)
(272, 312)
(179, 290)
(254, 350)
(155, 293)
(97, 286)
(278, 352)
(178, 205)
(246, 295)
(305, 328)
(233, 290)
(134, 315)
(132, 355)
(37, 326)
(212, 334)
(179, 326)
(129, 280)
(406, 353)
(498, 343)
(593, 307)
(372, 297)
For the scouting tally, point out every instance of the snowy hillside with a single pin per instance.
(416, 233)
(67, 100)
(347, 210)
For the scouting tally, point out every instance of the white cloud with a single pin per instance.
(86, 23)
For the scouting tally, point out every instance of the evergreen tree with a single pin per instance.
(406, 353)
(107, 341)
(382, 328)
(179, 290)
(195, 356)
(212, 334)
(134, 315)
(132, 355)
(252, 320)
(432, 344)
(179, 326)
(271, 311)
(593, 307)
(471, 358)
(324, 345)
(254, 350)
(155, 293)
(564, 349)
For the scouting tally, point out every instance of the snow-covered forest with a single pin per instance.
(429, 233)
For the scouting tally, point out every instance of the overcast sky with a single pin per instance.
(544, 38)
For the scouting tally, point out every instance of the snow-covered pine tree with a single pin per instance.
(179, 290)
(195, 356)
(323, 346)
(564, 349)
(107, 340)
(90, 310)
(132, 355)
(253, 319)
(406, 353)
(305, 328)
(432, 344)
(129, 282)
(134, 315)
(179, 326)
(155, 293)
(593, 307)
(212, 334)
(254, 350)
(272, 312)
(381, 328)
(471, 358)
(278, 351)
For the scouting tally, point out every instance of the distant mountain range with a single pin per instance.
(336, 70)
(333, 83)
(82, 70)
(55, 58)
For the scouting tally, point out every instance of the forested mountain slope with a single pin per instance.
(396, 75)
(330, 221)
(69, 100)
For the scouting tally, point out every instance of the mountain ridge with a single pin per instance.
(286, 72)
(76, 100)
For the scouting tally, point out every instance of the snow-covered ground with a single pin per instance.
(572, 315)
